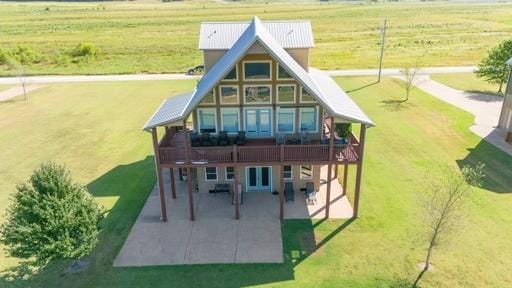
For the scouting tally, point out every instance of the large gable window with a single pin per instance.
(257, 70)
(286, 93)
(230, 120)
(207, 120)
(305, 97)
(232, 75)
(209, 98)
(286, 120)
(258, 94)
(282, 74)
(228, 94)
(308, 119)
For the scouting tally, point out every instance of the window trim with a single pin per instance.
(226, 173)
(291, 172)
(316, 119)
(257, 61)
(294, 118)
(301, 101)
(258, 85)
(222, 119)
(294, 93)
(236, 75)
(306, 178)
(237, 94)
(206, 174)
(214, 98)
(277, 73)
(272, 120)
(199, 119)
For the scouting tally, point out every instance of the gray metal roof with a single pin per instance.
(223, 35)
(316, 82)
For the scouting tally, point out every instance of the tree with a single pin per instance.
(442, 206)
(493, 67)
(408, 74)
(51, 217)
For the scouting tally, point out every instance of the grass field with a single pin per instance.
(155, 37)
(94, 128)
(467, 82)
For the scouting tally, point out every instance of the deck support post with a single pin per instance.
(159, 176)
(357, 193)
(281, 183)
(189, 171)
(336, 171)
(345, 175)
(235, 188)
(329, 168)
(173, 183)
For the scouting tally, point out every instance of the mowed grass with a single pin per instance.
(155, 37)
(94, 128)
(467, 82)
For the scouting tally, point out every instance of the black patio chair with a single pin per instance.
(304, 138)
(223, 139)
(240, 139)
(281, 138)
(289, 193)
(206, 139)
(310, 193)
(194, 139)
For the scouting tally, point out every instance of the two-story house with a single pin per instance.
(260, 117)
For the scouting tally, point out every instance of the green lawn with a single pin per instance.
(95, 129)
(156, 37)
(467, 82)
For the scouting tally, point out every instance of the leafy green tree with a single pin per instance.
(51, 217)
(493, 67)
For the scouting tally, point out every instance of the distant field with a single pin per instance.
(155, 37)
(467, 82)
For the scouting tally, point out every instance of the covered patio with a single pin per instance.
(216, 236)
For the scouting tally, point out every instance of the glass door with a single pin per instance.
(258, 122)
(259, 179)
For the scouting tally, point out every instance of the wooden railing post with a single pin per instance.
(159, 175)
(189, 171)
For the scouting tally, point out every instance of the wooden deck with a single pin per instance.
(172, 153)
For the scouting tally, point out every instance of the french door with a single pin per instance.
(259, 179)
(258, 122)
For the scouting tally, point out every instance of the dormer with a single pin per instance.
(216, 38)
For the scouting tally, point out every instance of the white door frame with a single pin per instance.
(247, 177)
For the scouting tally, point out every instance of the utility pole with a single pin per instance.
(382, 41)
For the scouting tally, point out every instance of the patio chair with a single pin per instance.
(194, 139)
(304, 138)
(281, 138)
(289, 193)
(206, 139)
(240, 139)
(310, 193)
(223, 138)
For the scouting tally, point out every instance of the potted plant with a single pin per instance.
(343, 130)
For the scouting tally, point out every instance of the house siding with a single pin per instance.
(505, 121)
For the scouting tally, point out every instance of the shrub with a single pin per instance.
(4, 57)
(51, 217)
(85, 50)
(26, 55)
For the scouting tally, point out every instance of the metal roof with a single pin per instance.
(223, 35)
(316, 82)
(509, 62)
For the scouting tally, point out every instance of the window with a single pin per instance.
(282, 74)
(230, 173)
(207, 120)
(308, 119)
(286, 93)
(210, 173)
(305, 97)
(306, 172)
(287, 172)
(230, 119)
(228, 94)
(232, 75)
(258, 94)
(257, 70)
(209, 98)
(286, 120)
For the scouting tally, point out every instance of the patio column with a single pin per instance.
(362, 134)
(235, 188)
(336, 171)
(159, 176)
(345, 175)
(189, 171)
(329, 168)
(173, 184)
(281, 183)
